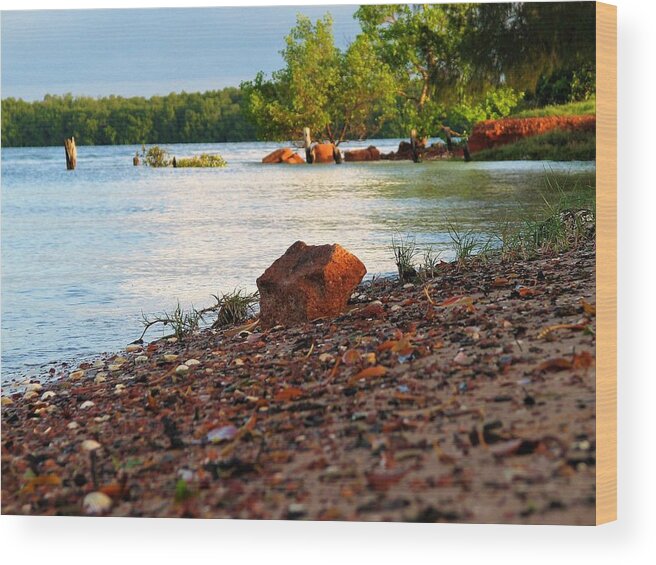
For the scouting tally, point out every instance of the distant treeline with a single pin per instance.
(212, 116)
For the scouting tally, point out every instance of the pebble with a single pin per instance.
(72, 425)
(98, 364)
(133, 348)
(90, 445)
(47, 394)
(87, 404)
(96, 503)
(192, 362)
(239, 362)
(76, 375)
(6, 401)
(326, 357)
(114, 368)
(172, 340)
(141, 359)
(170, 357)
(34, 387)
(100, 378)
(181, 370)
(462, 359)
(408, 285)
(395, 308)
(30, 394)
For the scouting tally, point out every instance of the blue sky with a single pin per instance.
(143, 52)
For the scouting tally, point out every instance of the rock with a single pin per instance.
(294, 159)
(133, 348)
(278, 156)
(324, 153)
(181, 370)
(368, 154)
(308, 282)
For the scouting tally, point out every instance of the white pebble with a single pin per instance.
(96, 503)
(141, 359)
(181, 370)
(87, 404)
(192, 362)
(133, 348)
(47, 394)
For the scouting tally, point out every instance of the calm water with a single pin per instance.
(84, 252)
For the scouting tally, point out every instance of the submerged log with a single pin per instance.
(71, 153)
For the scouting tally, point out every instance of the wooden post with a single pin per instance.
(307, 143)
(415, 146)
(466, 152)
(71, 153)
(135, 159)
(337, 155)
(447, 134)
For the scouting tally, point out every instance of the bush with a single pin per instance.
(204, 161)
(157, 157)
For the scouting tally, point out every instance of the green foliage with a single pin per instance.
(213, 116)
(571, 109)
(555, 145)
(203, 160)
(405, 251)
(498, 103)
(338, 95)
(157, 157)
(183, 322)
(234, 307)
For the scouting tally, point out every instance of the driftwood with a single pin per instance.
(71, 153)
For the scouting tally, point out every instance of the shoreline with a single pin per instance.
(415, 405)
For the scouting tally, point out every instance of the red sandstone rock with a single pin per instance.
(492, 133)
(278, 156)
(368, 154)
(294, 159)
(324, 153)
(308, 282)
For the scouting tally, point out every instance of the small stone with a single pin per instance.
(34, 387)
(6, 401)
(326, 358)
(395, 308)
(30, 394)
(87, 404)
(408, 285)
(239, 362)
(119, 388)
(172, 340)
(114, 368)
(47, 394)
(100, 378)
(98, 364)
(133, 348)
(462, 359)
(192, 362)
(72, 425)
(90, 445)
(96, 503)
(170, 357)
(141, 359)
(181, 370)
(76, 375)
(101, 419)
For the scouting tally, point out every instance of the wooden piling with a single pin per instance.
(135, 159)
(71, 153)
(414, 144)
(307, 143)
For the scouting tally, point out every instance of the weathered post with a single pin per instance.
(447, 135)
(71, 153)
(414, 144)
(466, 153)
(307, 143)
(135, 159)
(337, 155)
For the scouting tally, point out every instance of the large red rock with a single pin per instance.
(278, 156)
(308, 282)
(324, 153)
(294, 159)
(368, 154)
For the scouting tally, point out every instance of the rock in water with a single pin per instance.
(324, 153)
(308, 282)
(278, 156)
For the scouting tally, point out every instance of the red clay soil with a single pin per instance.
(468, 398)
(492, 133)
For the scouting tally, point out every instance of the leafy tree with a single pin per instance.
(338, 95)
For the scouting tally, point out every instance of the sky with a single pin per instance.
(143, 52)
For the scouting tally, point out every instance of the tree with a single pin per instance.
(338, 95)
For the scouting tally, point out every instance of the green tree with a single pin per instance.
(333, 93)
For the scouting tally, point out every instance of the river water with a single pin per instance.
(85, 252)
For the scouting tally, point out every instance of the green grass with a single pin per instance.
(555, 145)
(405, 251)
(571, 109)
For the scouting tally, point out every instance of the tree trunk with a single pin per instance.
(71, 153)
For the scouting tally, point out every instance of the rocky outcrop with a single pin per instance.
(324, 152)
(283, 155)
(492, 133)
(368, 154)
(308, 282)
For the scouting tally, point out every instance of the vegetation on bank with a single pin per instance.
(580, 108)
(213, 116)
(556, 145)
(157, 157)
